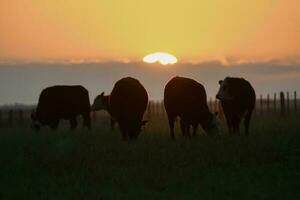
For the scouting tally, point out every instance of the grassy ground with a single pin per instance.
(98, 165)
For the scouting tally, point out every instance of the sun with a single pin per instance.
(162, 58)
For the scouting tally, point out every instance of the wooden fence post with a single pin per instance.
(261, 104)
(163, 111)
(282, 104)
(161, 108)
(295, 101)
(1, 118)
(255, 107)
(149, 109)
(10, 118)
(287, 102)
(157, 109)
(210, 103)
(275, 103)
(20, 117)
(268, 103)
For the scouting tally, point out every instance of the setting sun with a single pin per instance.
(162, 58)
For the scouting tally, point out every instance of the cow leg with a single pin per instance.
(182, 127)
(171, 125)
(124, 131)
(188, 134)
(229, 123)
(185, 128)
(112, 124)
(229, 118)
(236, 125)
(247, 121)
(87, 120)
(54, 125)
(195, 127)
(73, 123)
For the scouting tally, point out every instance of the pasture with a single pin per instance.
(99, 165)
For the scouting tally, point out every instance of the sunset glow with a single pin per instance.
(162, 58)
(118, 30)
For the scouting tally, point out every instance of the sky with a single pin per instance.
(117, 30)
(258, 40)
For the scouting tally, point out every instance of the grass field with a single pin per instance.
(98, 165)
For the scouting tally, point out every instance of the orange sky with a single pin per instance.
(119, 30)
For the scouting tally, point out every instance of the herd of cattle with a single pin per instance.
(183, 97)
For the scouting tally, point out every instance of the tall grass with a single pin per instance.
(99, 165)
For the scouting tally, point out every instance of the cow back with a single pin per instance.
(128, 99)
(63, 101)
(184, 95)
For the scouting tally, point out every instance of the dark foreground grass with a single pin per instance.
(98, 165)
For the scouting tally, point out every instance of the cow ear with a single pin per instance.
(220, 82)
(144, 122)
(102, 94)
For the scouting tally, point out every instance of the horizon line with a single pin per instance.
(226, 61)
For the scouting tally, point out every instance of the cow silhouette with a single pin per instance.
(238, 100)
(62, 102)
(186, 98)
(127, 104)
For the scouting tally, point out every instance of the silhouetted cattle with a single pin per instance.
(101, 102)
(186, 98)
(127, 103)
(238, 100)
(62, 102)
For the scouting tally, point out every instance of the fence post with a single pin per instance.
(268, 103)
(255, 107)
(161, 108)
(275, 103)
(261, 104)
(1, 118)
(149, 109)
(295, 101)
(20, 117)
(282, 104)
(287, 102)
(210, 103)
(157, 108)
(10, 118)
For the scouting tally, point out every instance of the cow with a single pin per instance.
(62, 102)
(127, 104)
(101, 102)
(237, 97)
(186, 98)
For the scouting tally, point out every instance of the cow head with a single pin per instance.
(35, 124)
(213, 127)
(224, 92)
(100, 102)
(136, 130)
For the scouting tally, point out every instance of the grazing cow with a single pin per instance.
(101, 102)
(186, 98)
(238, 100)
(62, 102)
(126, 104)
